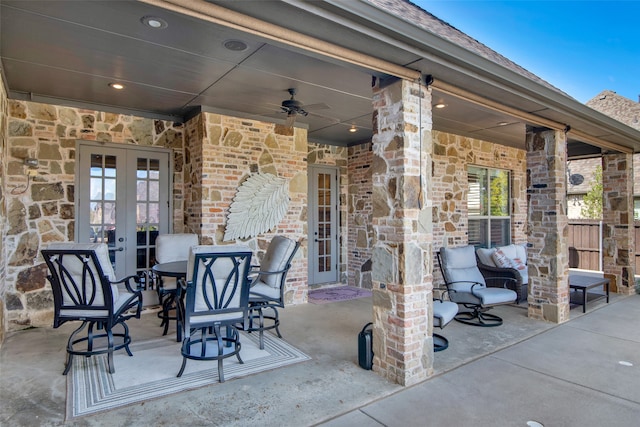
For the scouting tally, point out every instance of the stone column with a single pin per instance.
(618, 233)
(548, 252)
(402, 232)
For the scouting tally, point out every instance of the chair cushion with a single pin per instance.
(484, 255)
(75, 268)
(460, 264)
(515, 251)
(494, 296)
(260, 291)
(101, 250)
(174, 247)
(443, 312)
(276, 259)
(221, 270)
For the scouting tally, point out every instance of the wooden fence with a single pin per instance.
(586, 236)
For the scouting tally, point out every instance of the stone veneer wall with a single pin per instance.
(223, 151)
(549, 228)
(3, 207)
(360, 213)
(451, 156)
(45, 212)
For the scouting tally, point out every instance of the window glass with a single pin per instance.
(488, 202)
(477, 196)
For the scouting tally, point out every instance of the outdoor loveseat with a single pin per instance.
(510, 261)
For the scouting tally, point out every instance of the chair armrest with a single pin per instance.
(127, 283)
(493, 272)
(443, 291)
(257, 273)
(502, 279)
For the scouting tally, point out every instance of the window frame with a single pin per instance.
(486, 220)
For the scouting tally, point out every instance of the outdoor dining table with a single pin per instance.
(177, 269)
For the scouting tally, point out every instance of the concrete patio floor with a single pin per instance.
(523, 370)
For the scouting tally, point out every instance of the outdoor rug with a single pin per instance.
(151, 372)
(341, 293)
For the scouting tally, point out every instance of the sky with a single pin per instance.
(580, 47)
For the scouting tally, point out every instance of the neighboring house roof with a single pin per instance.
(414, 14)
(625, 111)
(618, 107)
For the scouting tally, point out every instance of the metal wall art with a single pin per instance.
(259, 205)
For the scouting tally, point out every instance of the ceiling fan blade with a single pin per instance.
(319, 106)
(331, 120)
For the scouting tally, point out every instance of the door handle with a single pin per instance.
(120, 249)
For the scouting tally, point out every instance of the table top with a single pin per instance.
(584, 281)
(171, 269)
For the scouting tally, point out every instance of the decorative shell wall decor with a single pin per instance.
(259, 205)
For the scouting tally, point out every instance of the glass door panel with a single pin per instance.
(323, 225)
(124, 202)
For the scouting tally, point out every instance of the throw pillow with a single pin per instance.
(518, 264)
(501, 259)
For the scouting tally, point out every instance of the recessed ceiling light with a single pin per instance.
(235, 45)
(154, 22)
(353, 129)
(503, 123)
(117, 86)
(440, 105)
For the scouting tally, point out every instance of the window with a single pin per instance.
(636, 208)
(488, 203)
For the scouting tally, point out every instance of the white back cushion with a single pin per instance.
(101, 250)
(174, 247)
(278, 254)
(76, 268)
(484, 255)
(460, 264)
(222, 268)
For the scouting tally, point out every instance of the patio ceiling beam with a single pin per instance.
(526, 117)
(218, 15)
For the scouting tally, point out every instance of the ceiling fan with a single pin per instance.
(294, 108)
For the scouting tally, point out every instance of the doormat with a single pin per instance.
(340, 293)
(151, 372)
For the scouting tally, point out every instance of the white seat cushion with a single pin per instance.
(443, 312)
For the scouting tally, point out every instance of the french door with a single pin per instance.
(123, 199)
(323, 225)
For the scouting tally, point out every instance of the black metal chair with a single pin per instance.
(217, 299)
(85, 289)
(170, 248)
(468, 287)
(268, 286)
